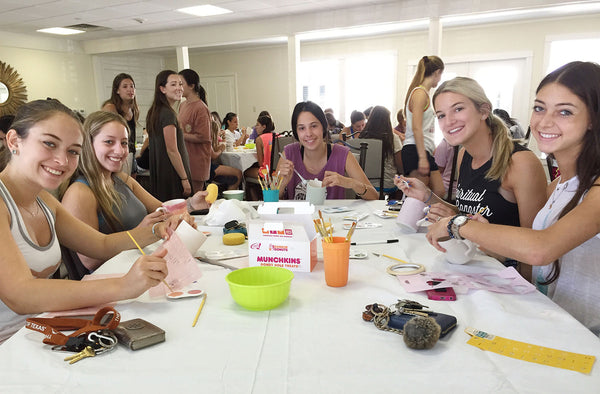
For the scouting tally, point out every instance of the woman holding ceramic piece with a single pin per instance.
(564, 244)
(104, 197)
(45, 144)
(314, 158)
(498, 179)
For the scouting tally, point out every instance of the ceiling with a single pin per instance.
(120, 19)
(128, 17)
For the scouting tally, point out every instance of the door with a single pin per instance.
(221, 93)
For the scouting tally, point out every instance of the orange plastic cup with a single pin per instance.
(336, 257)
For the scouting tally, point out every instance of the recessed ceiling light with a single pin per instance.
(63, 31)
(204, 10)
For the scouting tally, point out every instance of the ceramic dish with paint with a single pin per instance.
(358, 254)
(362, 225)
(224, 254)
(189, 291)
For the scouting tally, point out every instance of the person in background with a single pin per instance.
(100, 194)
(214, 115)
(122, 101)
(45, 142)
(265, 130)
(400, 129)
(367, 112)
(232, 134)
(498, 179)
(332, 127)
(564, 244)
(444, 157)
(220, 173)
(194, 118)
(417, 153)
(254, 134)
(338, 125)
(313, 157)
(357, 124)
(380, 127)
(5, 122)
(169, 165)
(514, 128)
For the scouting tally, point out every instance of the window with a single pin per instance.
(351, 83)
(565, 51)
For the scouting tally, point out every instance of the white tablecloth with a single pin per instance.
(240, 158)
(316, 341)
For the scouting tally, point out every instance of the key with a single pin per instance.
(87, 352)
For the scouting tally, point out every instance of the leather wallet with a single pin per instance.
(446, 322)
(138, 333)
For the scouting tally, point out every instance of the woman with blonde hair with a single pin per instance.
(498, 179)
(103, 196)
(419, 144)
(228, 175)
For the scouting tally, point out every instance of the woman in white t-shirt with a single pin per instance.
(564, 244)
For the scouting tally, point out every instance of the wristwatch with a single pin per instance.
(455, 224)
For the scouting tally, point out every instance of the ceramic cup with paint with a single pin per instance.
(410, 215)
(315, 192)
(175, 207)
(458, 251)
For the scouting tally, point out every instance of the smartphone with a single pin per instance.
(443, 294)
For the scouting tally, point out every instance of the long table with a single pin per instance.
(316, 341)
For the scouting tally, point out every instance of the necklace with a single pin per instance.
(558, 191)
(29, 212)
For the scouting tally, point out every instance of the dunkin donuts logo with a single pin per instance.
(286, 233)
(278, 248)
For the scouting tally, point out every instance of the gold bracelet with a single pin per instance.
(364, 192)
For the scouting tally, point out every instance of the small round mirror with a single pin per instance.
(4, 93)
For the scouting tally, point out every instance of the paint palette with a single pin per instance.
(224, 254)
(335, 209)
(361, 225)
(188, 291)
(355, 216)
(385, 214)
(358, 254)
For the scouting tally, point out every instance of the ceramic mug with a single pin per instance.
(410, 214)
(458, 251)
(175, 207)
(315, 192)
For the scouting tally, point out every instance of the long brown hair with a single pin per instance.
(426, 66)
(117, 101)
(160, 101)
(104, 190)
(583, 80)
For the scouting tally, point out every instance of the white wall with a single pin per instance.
(262, 78)
(51, 69)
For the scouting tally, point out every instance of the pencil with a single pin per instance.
(142, 252)
(199, 310)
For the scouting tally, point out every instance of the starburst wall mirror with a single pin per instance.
(13, 92)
